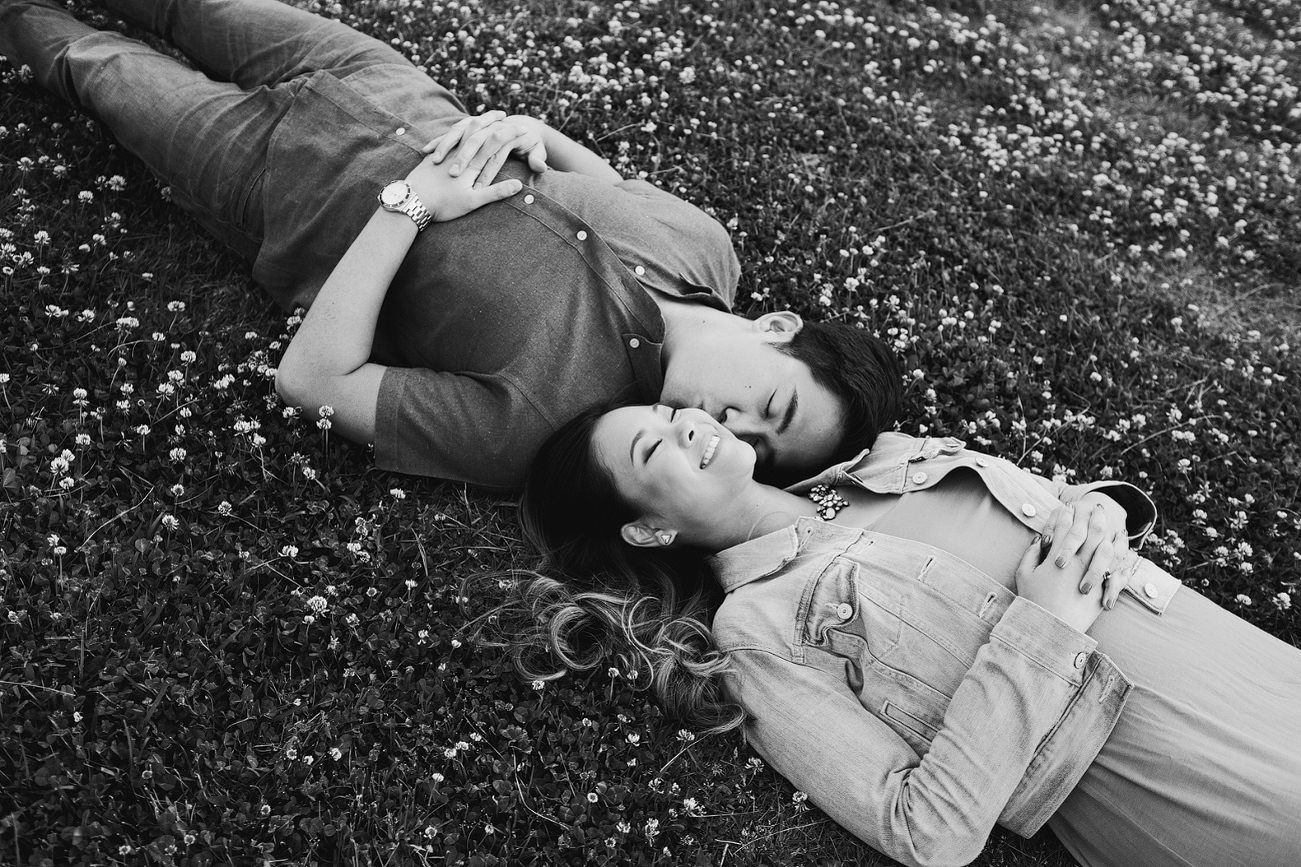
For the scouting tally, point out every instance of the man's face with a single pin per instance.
(762, 395)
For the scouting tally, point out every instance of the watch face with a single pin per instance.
(393, 194)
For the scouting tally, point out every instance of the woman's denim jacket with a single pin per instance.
(915, 699)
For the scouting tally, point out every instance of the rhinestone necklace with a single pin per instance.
(827, 501)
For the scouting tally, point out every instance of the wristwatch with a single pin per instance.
(398, 196)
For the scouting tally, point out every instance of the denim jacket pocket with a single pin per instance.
(912, 728)
(846, 619)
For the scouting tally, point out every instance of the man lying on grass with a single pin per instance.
(457, 322)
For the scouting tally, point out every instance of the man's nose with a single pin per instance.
(740, 423)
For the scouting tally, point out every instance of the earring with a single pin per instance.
(665, 537)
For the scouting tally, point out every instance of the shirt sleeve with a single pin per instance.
(479, 429)
(936, 809)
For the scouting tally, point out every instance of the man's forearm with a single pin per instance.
(567, 155)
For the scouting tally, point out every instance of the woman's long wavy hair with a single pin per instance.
(596, 600)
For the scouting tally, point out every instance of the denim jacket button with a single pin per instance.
(918, 478)
(844, 611)
(981, 462)
(1027, 510)
(1081, 658)
(528, 200)
(1149, 590)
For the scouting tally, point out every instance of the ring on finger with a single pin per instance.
(1106, 576)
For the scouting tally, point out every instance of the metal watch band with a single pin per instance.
(418, 212)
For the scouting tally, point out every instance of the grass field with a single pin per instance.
(226, 639)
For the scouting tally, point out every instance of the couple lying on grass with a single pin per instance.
(927, 640)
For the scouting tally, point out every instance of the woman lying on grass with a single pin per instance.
(927, 640)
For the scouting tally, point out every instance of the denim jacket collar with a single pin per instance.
(758, 558)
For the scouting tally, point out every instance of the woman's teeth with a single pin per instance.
(709, 451)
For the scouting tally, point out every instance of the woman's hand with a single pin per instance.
(448, 196)
(1114, 574)
(1059, 588)
(486, 141)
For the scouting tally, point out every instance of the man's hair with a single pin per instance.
(861, 370)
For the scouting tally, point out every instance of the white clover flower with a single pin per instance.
(318, 604)
(177, 454)
(336, 753)
(170, 522)
(290, 551)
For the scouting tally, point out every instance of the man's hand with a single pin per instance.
(483, 143)
(448, 196)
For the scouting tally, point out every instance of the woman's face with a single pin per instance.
(679, 468)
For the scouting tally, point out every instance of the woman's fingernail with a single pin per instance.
(1109, 603)
(1048, 539)
(1086, 587)
(1038, 537)
(454, 169)
(1060, 561)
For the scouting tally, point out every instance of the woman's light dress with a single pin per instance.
(1204, 767)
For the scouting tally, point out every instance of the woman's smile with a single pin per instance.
(710, 448)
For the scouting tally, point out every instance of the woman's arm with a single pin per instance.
(327, 361)
(936, 809)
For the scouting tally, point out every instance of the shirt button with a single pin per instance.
(400, 131)
(1081, 658)
(634, 343)
(844, 611)
(582, 236)
(639, 270)
(1149, 590)
(1027, 510)
(918, 478)
(981, 462)
(528, 200)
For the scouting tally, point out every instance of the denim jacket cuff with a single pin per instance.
(1139, 509)
(1045, 640)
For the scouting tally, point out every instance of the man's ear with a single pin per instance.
(781, 324)
(642, 535)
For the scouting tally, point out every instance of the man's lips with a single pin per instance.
(710, 448)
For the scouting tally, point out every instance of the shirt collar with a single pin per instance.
(833, 475)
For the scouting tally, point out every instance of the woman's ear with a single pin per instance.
(642, 535)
